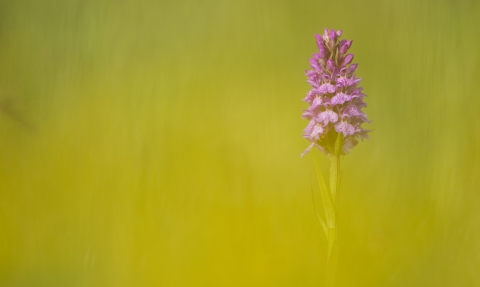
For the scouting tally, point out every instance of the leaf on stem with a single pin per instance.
(322, 223)
(325, 195)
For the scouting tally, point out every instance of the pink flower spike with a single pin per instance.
(335, 99)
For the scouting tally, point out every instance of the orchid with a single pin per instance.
(335, 121)
(335, 94)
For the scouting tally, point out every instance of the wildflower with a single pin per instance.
(335, 99)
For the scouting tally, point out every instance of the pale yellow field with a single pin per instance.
(157, 143)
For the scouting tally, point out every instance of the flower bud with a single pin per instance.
(347, 60)
(344, 48)
(330, 65)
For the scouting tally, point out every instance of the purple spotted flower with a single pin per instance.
(335, 99)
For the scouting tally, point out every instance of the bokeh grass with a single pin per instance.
(157, 143)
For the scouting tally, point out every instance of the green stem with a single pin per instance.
(332, 228)
(329, 200)
(334, 176)
(335, 168)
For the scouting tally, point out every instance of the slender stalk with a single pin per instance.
(334, 176)
(328, 205)
(332, 230)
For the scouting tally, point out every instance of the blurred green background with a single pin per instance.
(157, 143)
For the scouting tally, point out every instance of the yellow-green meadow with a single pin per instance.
(157, 143)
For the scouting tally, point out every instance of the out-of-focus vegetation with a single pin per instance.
(157, 143)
